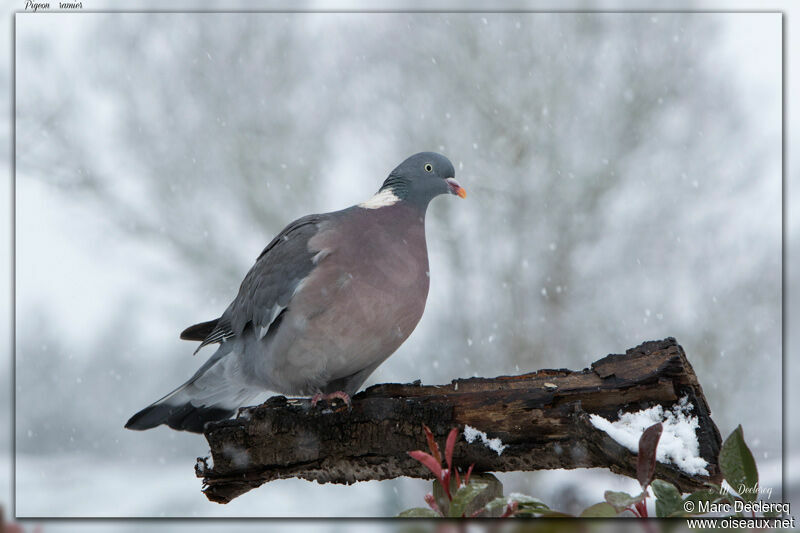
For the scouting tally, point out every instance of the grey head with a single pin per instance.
(421, 178)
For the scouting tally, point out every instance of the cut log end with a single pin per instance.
(542, 419)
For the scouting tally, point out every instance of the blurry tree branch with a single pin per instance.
(542, 418)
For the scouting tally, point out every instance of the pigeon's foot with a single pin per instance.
(328, 397)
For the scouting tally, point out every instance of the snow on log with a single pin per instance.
(542, 420)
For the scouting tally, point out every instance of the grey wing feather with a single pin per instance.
(271, 282)
(221, 332)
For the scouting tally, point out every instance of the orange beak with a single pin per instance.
(455, 188)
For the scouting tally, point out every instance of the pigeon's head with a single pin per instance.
(422, 177)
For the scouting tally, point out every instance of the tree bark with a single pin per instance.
(542, 418)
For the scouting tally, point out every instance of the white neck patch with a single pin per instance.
(381, 199)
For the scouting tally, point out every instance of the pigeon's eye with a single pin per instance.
(428, 167)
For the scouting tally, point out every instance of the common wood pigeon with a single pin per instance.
(327, 301)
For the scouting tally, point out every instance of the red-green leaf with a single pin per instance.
(434, 448)
(418, 512)
(431, 501)
(641, 508)
(428, 462)
(446, 483)
(668, 498)
(622, 500)
(599, 510)
(477, 513)
(646, 460)
(464, 496)
(450, 446)
(738, 466)
(469, 472)
(511, 509)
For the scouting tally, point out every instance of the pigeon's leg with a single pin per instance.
(328, 397)
(316, 398)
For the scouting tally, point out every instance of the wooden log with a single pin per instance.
(542, 418)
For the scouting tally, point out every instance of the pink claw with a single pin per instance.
(327, 397)
(317, 397)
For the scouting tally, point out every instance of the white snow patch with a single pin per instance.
(470, 433)
(678, 444)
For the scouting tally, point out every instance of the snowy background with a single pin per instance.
(624, 185)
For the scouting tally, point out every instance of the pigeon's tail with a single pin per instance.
(213, 393)
(182, 416)
(200, 331)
